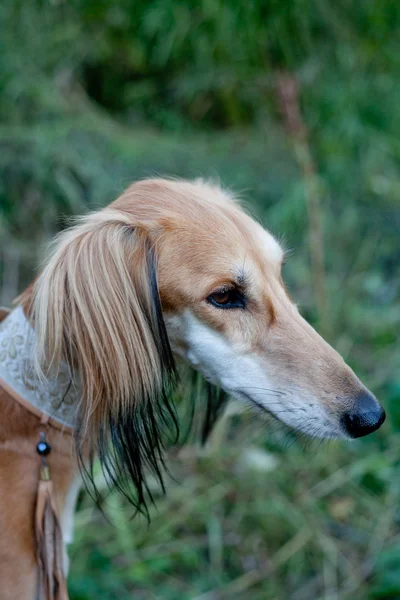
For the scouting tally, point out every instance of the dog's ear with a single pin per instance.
(96, 306)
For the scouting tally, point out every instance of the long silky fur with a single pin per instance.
(96, 306)
(130, 446)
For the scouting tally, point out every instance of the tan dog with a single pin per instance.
(170, 269)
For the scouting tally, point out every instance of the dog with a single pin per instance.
(171, 270)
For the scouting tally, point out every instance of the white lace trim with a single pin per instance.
(56, 397)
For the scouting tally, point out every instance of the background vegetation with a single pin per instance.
(95, 94)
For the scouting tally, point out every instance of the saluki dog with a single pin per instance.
(170, 270)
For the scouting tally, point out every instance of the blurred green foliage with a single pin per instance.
(95, 94)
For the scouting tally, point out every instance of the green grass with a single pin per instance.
(318, 524)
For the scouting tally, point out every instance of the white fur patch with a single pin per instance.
(272, 249)
(245, 377)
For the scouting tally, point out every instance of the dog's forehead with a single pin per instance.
(259, 250)
(226, 239)
(202, 254)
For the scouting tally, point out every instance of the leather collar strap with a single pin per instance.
(44, 418)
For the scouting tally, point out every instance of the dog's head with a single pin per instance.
(177, 268)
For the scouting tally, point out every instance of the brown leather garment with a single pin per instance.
(19, 482)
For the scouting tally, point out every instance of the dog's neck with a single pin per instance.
(56, 397)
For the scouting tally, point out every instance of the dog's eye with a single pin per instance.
(227, 298)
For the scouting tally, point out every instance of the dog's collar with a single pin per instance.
(56, 397)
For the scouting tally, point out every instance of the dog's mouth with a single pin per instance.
(299, 418)
(311, 419)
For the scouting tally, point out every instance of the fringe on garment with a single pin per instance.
(49, 542)
(50, 547)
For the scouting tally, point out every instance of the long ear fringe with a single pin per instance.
(131, 444)
(96, 306)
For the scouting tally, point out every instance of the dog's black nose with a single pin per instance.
(366, 416)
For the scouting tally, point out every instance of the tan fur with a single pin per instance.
(19, 473)
(92, 307)
(95, 321)
(200, 249)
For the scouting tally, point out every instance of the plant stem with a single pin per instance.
(288, 93)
